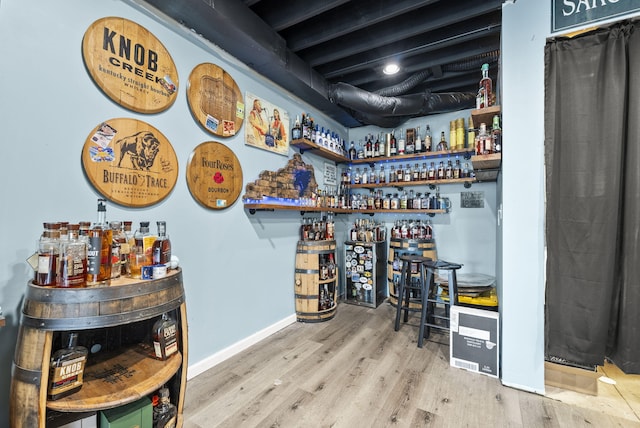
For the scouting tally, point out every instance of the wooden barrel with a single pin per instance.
(316, 299)
(47, 310)
(399, 247)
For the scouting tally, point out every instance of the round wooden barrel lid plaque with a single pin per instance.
(130, 65)
(214, 175)
(215, 100)
(130, 162)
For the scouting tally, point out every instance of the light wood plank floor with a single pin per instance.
(356, 371)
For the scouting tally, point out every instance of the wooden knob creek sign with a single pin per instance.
(214, 175)
(130, 65)
(130, 162)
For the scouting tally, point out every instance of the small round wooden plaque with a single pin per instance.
(215, 100)
(130, 162)
(214, 175)
(130, 65)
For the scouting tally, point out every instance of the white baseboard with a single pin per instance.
(209, 362)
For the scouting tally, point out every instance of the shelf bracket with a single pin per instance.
(467, 155)
(467, 184)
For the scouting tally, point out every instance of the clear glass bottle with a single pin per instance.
(383, 145)
(118, 239)
(353, 154)
(99, 249)
(401, 143)
(427, 146)
(392, 174)
(403, 200)
(418, 143)
(448, 172)
(432, 171)
(66, 369)
(48, 253)
(486, 88)
(395, 202)
(457, 168)
(496, 135)
(165, 413)
(296, 131)
(364, 179)
(125, 247)
(408, 174)
(356, 176)
(161, 251)
(165, 337)
(382, 177)
(441, 171)
(424, 172)
(72, 268)
(416, 173)
(144, 242)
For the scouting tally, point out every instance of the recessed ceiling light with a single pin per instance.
(392, 68)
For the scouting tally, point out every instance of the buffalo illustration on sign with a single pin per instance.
(130, 162)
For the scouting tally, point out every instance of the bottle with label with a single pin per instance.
(162, 245)
(144, 239)
(496, 135)
(418, 146)
(383, 146)
(99, 249)
(483, 141)
(296, 131)
(393, 148)
(72, 268)
(165, 337)
(66, 369)
(427, 147)
(486, 88)
(353, 154)
(165, 413)
(401, 143)
(410, 145)
(118, 239)
(442, 145)
(48, 253)
(125, 247)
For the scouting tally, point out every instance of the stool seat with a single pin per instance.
(417, 282)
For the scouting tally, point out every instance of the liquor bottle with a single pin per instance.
(392, 174)
(486, 88)
(496, 135)
(416, 173)
(72, 268)
(296, 131)
(383, 145)
(401, 143)
(431, 175)
(376, 147)
(144, 240)
(165, 337)
(125, 247)
(403, 200)
(118, 238)
(352, 152)
(382, 177)
(418, 148)
(399, 174)
(393, 148)
(424, 172)
(99, 249)
(48, 252)
(442, 145)
(457, 169)
(441, 171)
(161, 251)
(408, 174)
(448, 172)
(483, 141)
(165, 413)
(410, 145)
(66, 369)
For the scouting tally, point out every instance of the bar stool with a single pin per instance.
(431, 297)
(410, 284)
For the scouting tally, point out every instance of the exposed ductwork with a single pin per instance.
(233, 26)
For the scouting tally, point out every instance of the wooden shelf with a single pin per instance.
(328, 281)
(401, 184)
(119, 379)
(272, 207)
(484, 115)
(466, 153)
(487, 167)
(305, 145)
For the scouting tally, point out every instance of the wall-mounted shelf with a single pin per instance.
(484, 115)
(273, 207)
(305, 145)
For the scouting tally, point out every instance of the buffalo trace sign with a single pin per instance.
(572, 13)
(130, 65)
(130, 162)
(214, 175)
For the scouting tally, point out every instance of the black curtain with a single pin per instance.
(592, 157)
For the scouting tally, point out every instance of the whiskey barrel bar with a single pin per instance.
(308, 284)
(47, 310)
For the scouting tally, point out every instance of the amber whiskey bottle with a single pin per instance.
(162, 246)
(165, 337)
(67, 369)
(164, 413)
